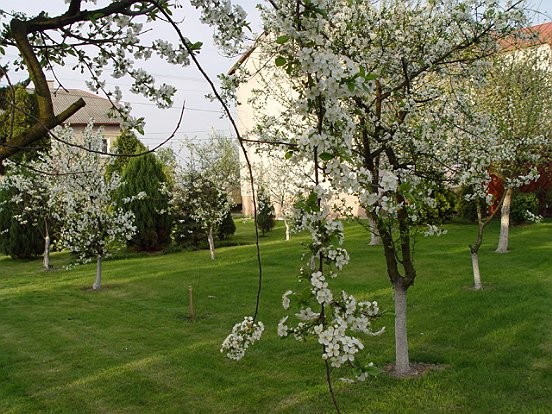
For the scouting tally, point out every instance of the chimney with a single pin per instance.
(50, 83)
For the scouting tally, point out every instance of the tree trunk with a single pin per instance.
(476, 274)
(504, 222)
(98, 283)
(375, 239)
(211, 243)
(288, 230)
(474, 249)
(402, 360)
(46, 259)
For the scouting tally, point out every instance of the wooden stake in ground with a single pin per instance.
(191, 310)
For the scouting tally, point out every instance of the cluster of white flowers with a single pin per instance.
(433, 230)
(340, 314)
(75, 192)
(229, 21)
(531, 217)
(91, 218)
(243, 335)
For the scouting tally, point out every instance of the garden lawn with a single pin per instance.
(130, 347)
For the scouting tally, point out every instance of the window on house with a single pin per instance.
(104, 145)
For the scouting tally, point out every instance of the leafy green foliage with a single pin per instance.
(443, 209)
(227, 228)
(20, 241)
(521, 203)
(126, 143)
(197, 208)
(145, 173)
(17, 113)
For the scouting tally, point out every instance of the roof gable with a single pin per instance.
(96, 107)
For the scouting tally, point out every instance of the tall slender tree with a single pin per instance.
(153, 222)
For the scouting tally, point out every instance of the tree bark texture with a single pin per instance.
(46, 259)
(211, 243)
(375, 239)
(288, 230)
(474, 249)
(402, 360)
(476, 274)
(98, 282)
(505, 222)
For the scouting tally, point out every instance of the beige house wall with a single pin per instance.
(246, 114)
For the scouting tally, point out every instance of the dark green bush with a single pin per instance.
(227, 228)
(266, 218)
(20, 241)
(521, 203)
(153, 223)
(445, 201)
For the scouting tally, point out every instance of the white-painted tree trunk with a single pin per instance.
(98, 282)
(288, 230)
(402, 360)
(505, 222)
(211, 243)
(375, 239)
(46, 258)
(476, 274)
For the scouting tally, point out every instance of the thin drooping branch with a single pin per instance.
(72, 144)
(20, 30)
(186, 43)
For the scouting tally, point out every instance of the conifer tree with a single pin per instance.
(265, 215)
(145, 173)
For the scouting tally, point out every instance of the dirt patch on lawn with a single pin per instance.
(417, 369)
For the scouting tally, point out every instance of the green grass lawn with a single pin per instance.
(130, 348)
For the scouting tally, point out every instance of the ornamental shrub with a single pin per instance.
(186, 232)
(521, 203)
(198, 204)
(227, 228)
(152, 220)
(443, 209)
(20, 241)
(126, 143)
(266, 218)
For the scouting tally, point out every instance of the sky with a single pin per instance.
(201, 116)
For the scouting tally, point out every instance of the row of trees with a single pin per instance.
(65, 192)
(89, 205)
(386, 103)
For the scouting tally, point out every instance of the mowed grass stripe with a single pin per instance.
(130, 347)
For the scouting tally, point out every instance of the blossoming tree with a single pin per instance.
(202, 187)
(518, 96)
(376, 91)
(93, 222)
(33, 196)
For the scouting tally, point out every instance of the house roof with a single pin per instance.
(243, 58)
(96, 107)
(531, 36)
